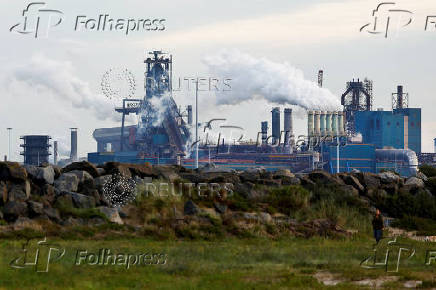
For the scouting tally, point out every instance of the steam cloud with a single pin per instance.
(278, 83)
(58, 79)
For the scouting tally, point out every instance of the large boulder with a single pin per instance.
(82, 201)
(414, 182)
(52, 214)
(115, 168)
(3, 193)
(351, 180)
(251, 174)
(191, 208)
(369, 180)
(100, 182)
(19, 192)
(112, 214)
(82, 175)
(35, 208)
(283, 173)
(65, 200)
(12, 171)
(82, 166)
(14, 209)
(67, 182)
(41, 174)
(323, 177)
(389, 177)
(166, 172)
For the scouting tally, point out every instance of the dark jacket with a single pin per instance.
(377, 222)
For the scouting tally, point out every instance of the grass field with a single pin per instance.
(227, 264)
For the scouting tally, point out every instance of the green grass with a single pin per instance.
(233, 264)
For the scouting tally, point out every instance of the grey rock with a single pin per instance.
(220, 207)
(81, 175)
(99, 182)
(389, 177)
(64, 200)
(24, 222)
(82, 201)
(35, 208)
(415, 182)
(52, 214)
(43, 174)
(265, 217)
(191, 208)
(101, 171)
(14, 209)
(422, 176)
(19, 192)
(283, 173)
(112, 214)
(351, 180)
(67, 182)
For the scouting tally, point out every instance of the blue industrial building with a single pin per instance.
(397, 129)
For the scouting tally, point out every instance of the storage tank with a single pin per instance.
(310, 123)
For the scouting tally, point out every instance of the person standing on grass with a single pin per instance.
(377, 225)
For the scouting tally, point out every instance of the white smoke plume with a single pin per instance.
(279, 83)
(57, 78)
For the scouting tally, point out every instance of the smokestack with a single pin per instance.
(55, 152)
(276, 124)
(434, 145)
(189, 114)
(317, 123)
(322, 124)
(310, 123)
(264, 130)
(399, 97)
(287, 124)
(73, 154)
(328, 123)
(335, 123)
(341, 126)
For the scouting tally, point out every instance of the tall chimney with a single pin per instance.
(399, 97)
(335, 123)
(310, 123)
(341, 127)
(287, 124)
(276, 124)
(317, 123)
(189, 109)
(322, 123)
(73, 154)
(264, 130)
(55, 152)
(328, 123)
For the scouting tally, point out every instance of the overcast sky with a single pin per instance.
(52, 82)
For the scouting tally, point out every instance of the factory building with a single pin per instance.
(355, 138)
(36, 149)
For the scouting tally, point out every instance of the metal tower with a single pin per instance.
(357, 97)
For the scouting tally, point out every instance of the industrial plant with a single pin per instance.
(357, 138)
